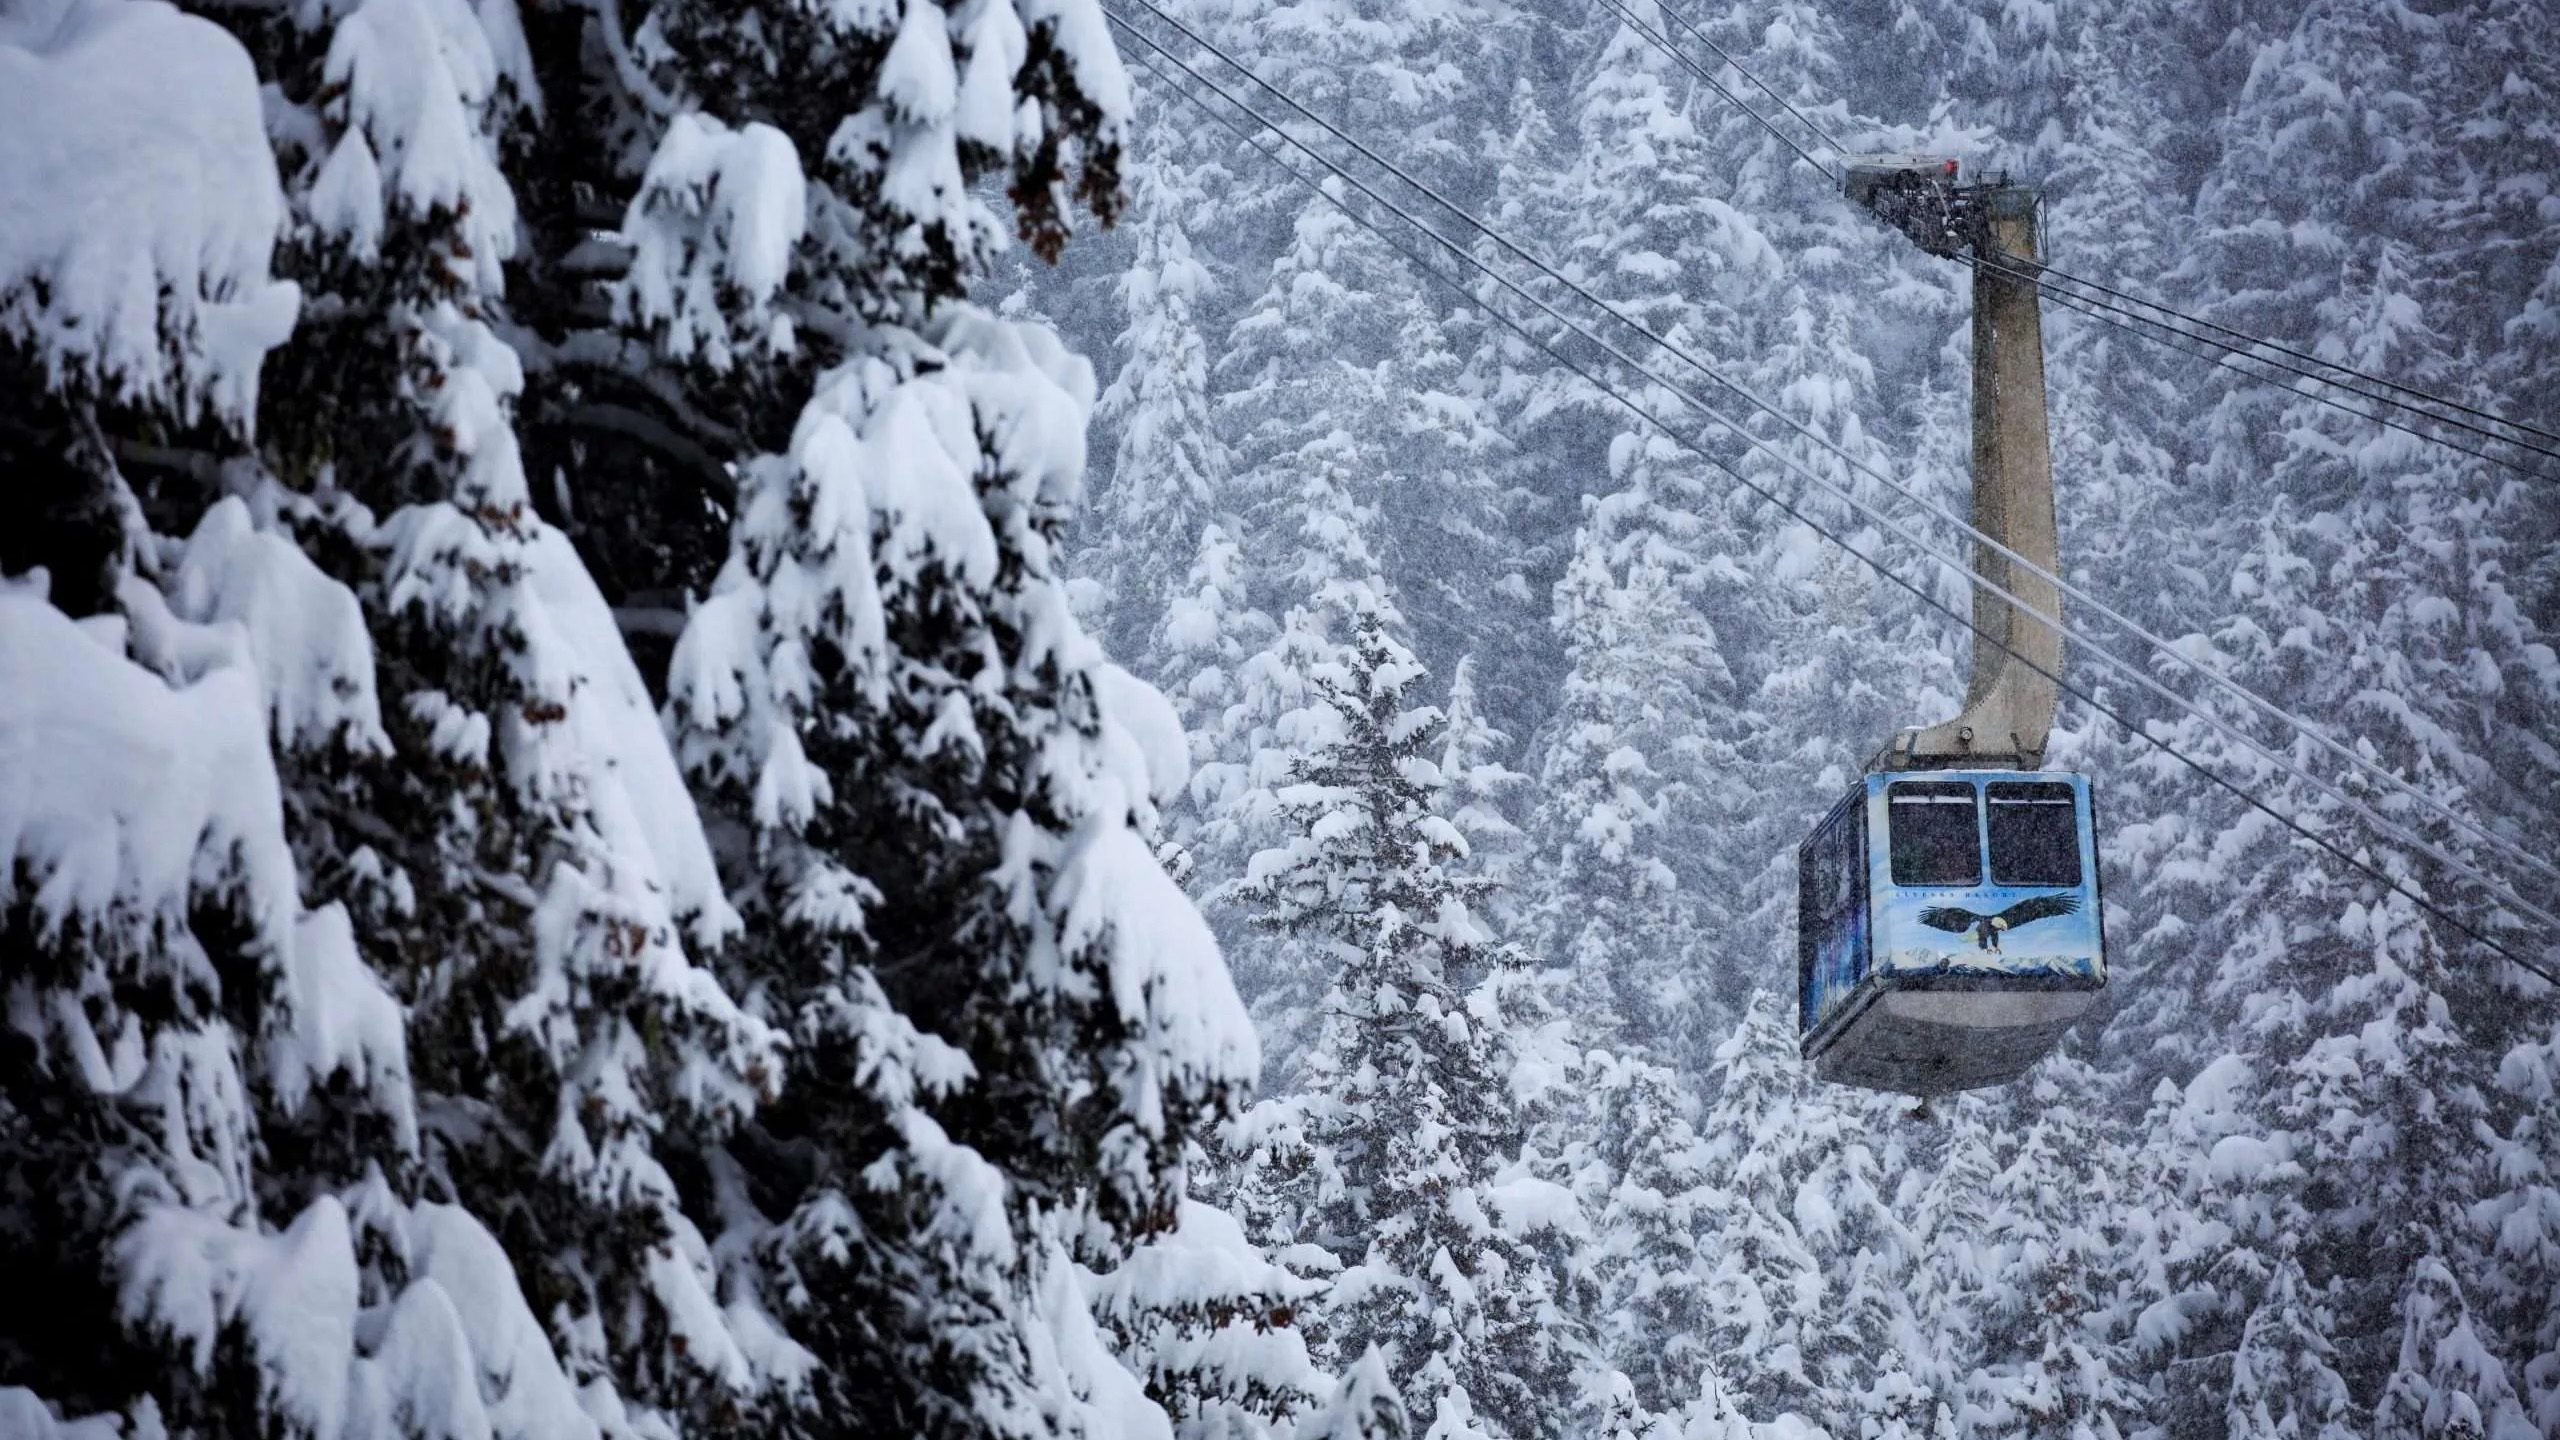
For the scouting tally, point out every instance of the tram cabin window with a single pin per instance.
(1936, 835)
(2035, 834)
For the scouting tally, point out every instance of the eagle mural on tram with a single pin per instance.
(1987, 929)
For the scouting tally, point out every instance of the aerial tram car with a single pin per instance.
(1947, 907)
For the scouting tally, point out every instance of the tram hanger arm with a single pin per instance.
(2009, 703)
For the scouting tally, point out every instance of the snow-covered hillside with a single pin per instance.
(654, 784)
(2298, 1175)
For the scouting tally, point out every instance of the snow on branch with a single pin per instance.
(712, 233)
(136, 222)
(131, 804)
(415, 81)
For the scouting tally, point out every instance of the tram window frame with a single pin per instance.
(2037, 801)
(1906, 865)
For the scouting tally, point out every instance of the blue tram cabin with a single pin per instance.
(1947, 928)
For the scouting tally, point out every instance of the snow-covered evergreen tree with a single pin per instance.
(463, 762)
(1006, 1018)
(1401, 1155)
(1171, 474)
(2522, 1220)
(1482, 788)
(557, 1112)
(1210, 1323)
(1812, 1260)
(2044, 1337)
(1621, 775)
(1365, 1406)
(1653, 1248)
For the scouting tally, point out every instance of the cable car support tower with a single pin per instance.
(1948, 925)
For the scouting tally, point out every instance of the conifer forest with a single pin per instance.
(1092, 718)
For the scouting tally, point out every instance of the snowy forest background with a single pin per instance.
(580, 863)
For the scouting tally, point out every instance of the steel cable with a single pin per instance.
(1619, 8)
(1745, 72)
(2037, 274)
(2226, 358)
(2244, 339)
